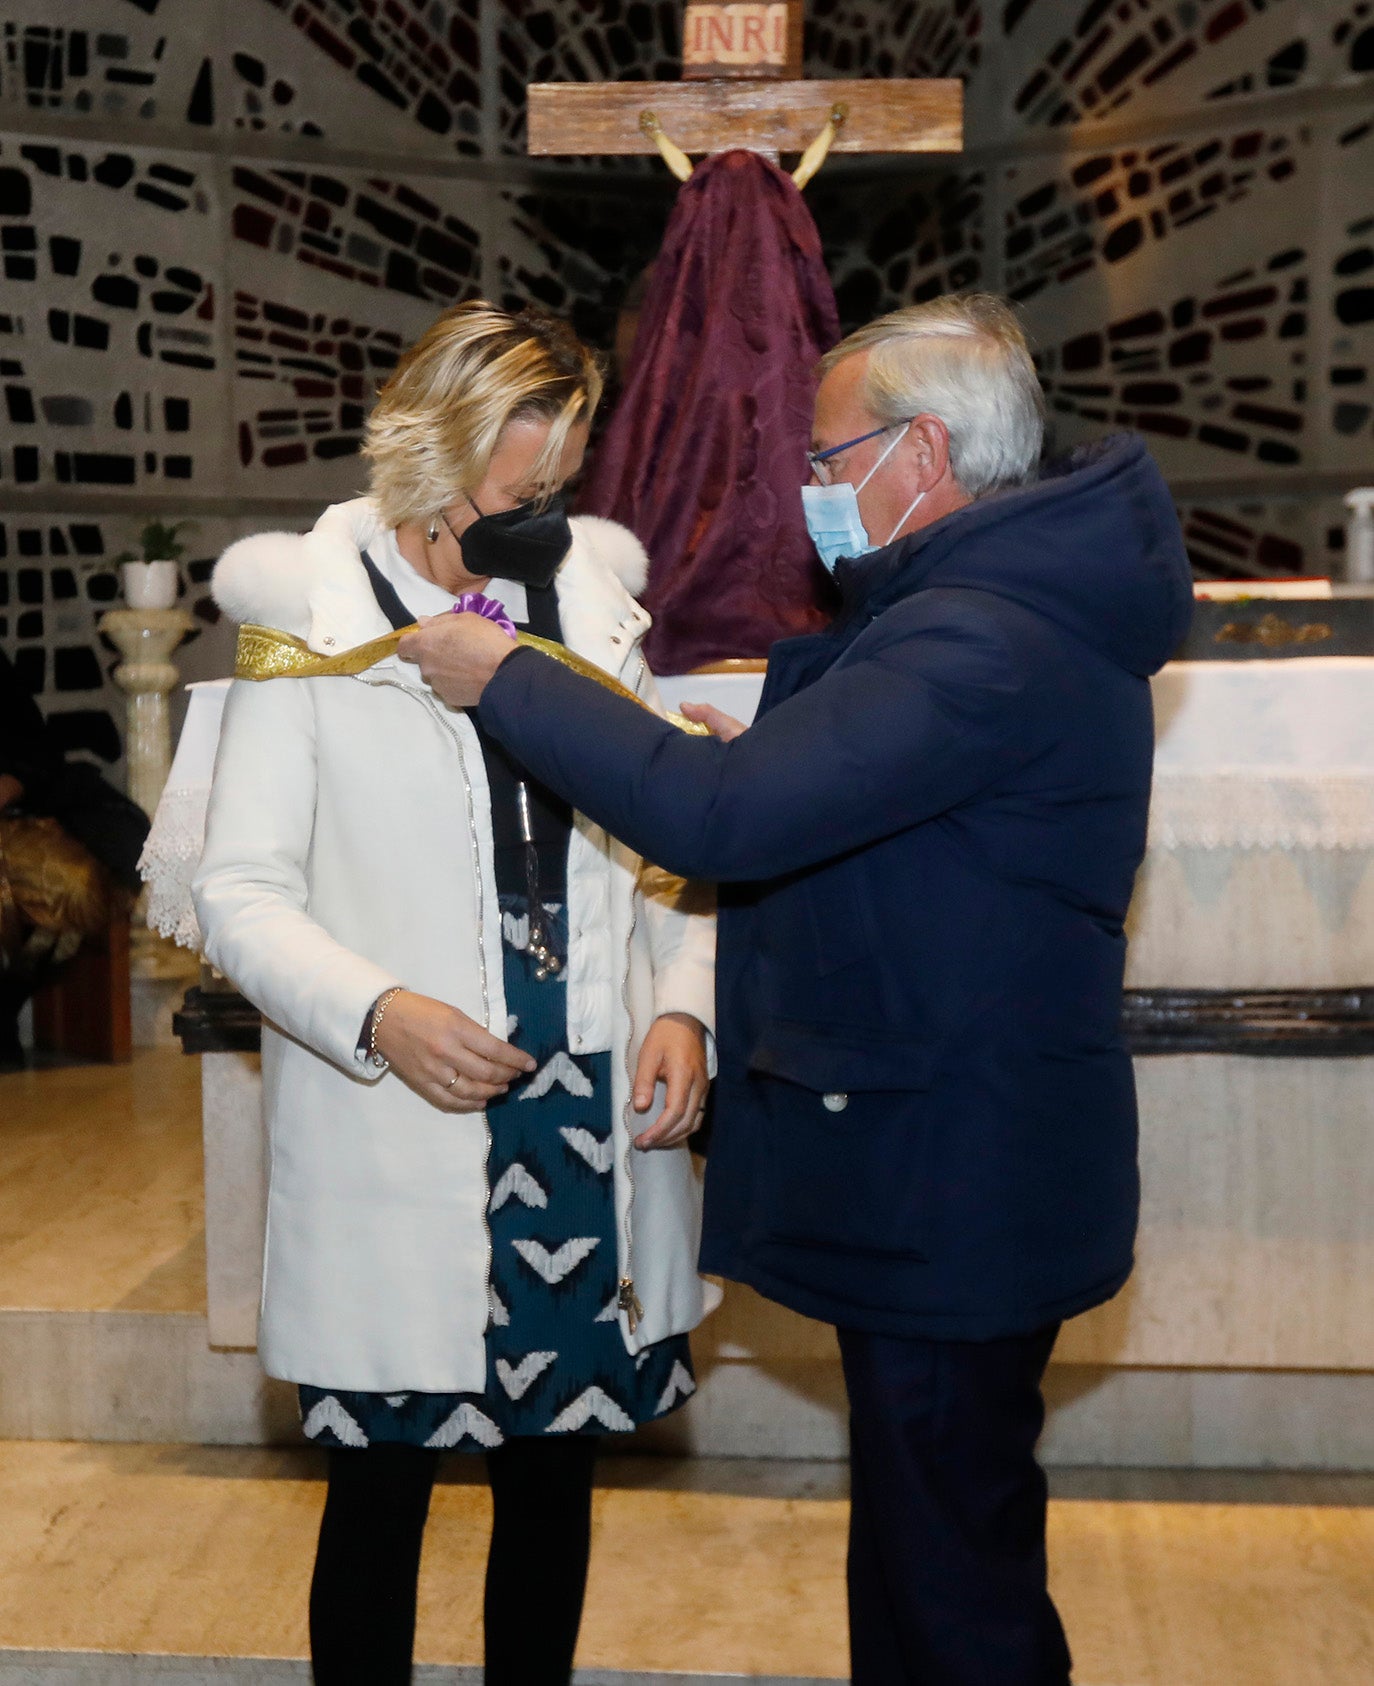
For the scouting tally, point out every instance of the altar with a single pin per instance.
(1247, 1333)
(1255, 909)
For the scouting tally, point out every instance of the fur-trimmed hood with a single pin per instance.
(314, 585)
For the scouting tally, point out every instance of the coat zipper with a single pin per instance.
(424, 698)
(628, 1300)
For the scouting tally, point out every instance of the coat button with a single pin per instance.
(835, 1103)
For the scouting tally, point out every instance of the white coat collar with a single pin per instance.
(314, 586)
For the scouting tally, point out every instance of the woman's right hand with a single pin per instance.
(446, 1056)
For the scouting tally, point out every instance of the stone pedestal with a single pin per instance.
(146, 638)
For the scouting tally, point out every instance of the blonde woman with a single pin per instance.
(485, 1027)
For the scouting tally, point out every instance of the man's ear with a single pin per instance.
(928, 439)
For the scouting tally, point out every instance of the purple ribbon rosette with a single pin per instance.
(473, 603)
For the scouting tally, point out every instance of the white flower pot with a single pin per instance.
(149, 585)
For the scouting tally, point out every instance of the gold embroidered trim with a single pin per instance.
(265, 653)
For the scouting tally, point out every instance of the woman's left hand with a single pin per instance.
(674, 1054)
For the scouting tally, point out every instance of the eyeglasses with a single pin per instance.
(820, 460)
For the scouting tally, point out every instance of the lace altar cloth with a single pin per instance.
(170, 856)
(1264, 755)
(1262, 808)
(1251, 755)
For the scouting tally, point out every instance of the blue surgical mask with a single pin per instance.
(833, 520)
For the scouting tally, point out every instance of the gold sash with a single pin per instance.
(264, 653)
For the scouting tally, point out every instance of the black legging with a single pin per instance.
(362, 1597)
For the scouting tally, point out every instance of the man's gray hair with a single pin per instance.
(964, 359)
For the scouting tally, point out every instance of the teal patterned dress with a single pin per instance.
(556, 1359)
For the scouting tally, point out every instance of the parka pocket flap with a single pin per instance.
(830, 1060)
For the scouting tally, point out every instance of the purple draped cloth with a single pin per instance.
(705, 453)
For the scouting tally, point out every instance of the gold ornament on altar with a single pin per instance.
(1273, 632)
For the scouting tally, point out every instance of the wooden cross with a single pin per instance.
(741, 87)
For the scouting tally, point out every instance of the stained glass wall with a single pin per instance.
(220, 222)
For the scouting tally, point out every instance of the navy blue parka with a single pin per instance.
(925, 1114)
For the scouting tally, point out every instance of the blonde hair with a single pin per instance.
(438, 419)
(964, 359)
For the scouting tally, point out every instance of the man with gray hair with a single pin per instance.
(925, 1127)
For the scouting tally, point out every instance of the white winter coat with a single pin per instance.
(349, 848)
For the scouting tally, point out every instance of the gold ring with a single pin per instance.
(452, 1080)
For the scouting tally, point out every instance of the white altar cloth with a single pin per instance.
(1260, 867)
(1264, 755)
(1305, 713)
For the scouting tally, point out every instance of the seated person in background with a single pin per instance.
(69, 848)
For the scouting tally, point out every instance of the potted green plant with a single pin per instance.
(149, 575)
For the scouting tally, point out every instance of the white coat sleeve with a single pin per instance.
(250, 889)
(681, 918)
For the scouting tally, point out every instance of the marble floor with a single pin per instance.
(700, 1569)
(101, 1202)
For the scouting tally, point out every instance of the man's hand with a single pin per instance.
(446, 1056)
(720, 724)
(674, 1054)
(456, 655)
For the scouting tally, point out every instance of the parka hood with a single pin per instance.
(1094, 546)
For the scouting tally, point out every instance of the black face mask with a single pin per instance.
(525, 544)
